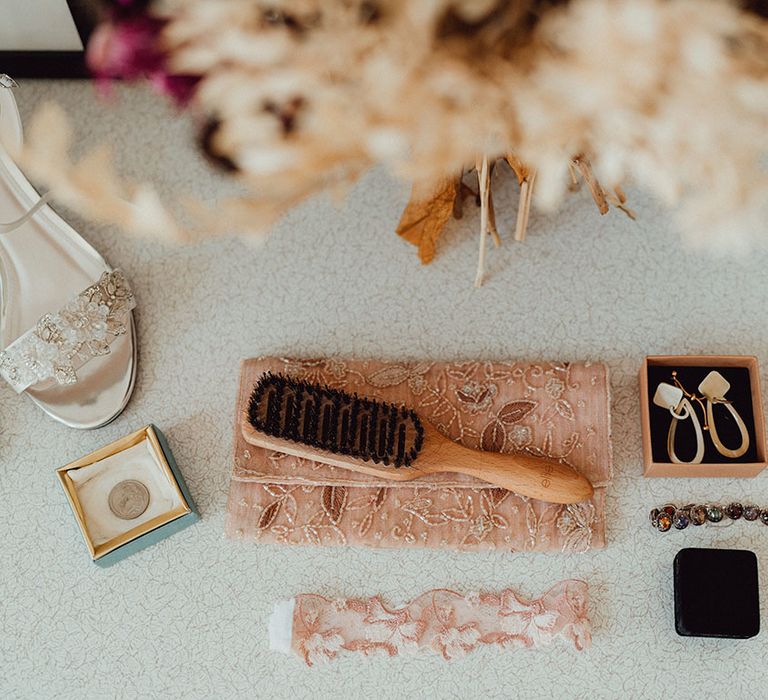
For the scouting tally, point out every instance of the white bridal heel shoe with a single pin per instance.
(67, 336)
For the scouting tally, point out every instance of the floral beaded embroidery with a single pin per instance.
(64, 341)
(440, 621)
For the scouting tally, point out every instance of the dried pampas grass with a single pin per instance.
(91, 185)
(301, 96)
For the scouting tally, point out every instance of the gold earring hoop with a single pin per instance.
(678, 402)
(714, 388)
(687, 406)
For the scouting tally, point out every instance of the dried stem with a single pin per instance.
(574, 177)
(524, 206)
(525, 178)
(492, 221)
(484, 189)
(618, 199)
(598, 194)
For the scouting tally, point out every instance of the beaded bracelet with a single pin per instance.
(670, 515)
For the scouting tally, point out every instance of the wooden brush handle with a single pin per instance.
(545, 480)
(537, 477)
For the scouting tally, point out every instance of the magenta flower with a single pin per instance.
(127, 47)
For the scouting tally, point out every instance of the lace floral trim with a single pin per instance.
(440, 621)
(62, 342)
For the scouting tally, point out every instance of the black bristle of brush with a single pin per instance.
(311, 414)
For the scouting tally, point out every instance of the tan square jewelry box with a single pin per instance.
(657, 464)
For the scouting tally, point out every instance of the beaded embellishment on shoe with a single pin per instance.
(62, 342)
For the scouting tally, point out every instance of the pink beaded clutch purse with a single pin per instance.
(560, 410)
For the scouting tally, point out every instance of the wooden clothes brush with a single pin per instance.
(372, 437)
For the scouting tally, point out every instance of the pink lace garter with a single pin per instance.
(442, 621)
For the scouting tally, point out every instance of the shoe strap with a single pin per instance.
(62, 342)
(6, 81)
(13, 225)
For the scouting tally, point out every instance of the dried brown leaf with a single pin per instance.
(425, 217)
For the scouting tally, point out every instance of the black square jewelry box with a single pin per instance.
(716, 593)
